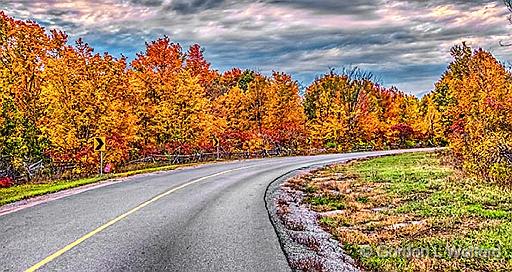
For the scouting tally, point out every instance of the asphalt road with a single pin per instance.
(206, 218)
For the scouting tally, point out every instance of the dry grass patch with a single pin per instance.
(412, 212)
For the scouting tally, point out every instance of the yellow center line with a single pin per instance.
(124, 215)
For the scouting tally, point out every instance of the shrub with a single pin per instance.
(6, 182)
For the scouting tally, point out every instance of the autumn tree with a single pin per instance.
(259, 112)
(85, 96)
(349, 111)
(409, 123)
(327, 118)
(285, 120)
(476, 95)
(172, 109)
(242, 110)
(198, 67)
(24, 49)
(431, 125)
(335, 106)
(232, 112)
(55, 98)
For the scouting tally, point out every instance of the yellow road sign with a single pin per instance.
(100, 144)
(216, 141)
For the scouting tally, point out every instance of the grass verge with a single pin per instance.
(413, 213)
(25, 191)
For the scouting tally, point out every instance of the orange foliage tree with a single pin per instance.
(172, 108)
(284, 124)
(349, 111)
(475, 96)
(55, 98)
(24, 48)
(84, 96)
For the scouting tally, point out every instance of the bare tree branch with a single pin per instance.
(508, 4)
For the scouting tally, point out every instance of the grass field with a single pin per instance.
(20, 192)
(413, 213)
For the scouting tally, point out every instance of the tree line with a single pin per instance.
(56, 97)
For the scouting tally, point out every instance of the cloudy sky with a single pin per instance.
(405, 43)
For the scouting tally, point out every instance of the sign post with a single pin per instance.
(100, 145)
(101, 163)
(216, 143)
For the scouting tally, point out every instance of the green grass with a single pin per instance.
(25, 191)
(429, 205)
(327, 202)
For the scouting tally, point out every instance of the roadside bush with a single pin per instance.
(475, 95)
(6, 182)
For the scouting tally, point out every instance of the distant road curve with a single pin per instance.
(206, 218)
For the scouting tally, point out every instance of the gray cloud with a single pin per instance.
(148, 3)
(406, 43)
(191, 6)
(355, 7)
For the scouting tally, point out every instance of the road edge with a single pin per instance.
(294, 251)
(275, 190)
(52, 196)
(268, 198)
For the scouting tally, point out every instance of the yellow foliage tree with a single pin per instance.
(171, 106)
(85, 96)
(476, 95)
(284, 124)
(24, 48)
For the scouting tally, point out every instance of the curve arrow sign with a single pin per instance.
(100, 144)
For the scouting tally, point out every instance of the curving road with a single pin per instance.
(206, 218)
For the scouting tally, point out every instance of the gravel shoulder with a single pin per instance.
(306, 245)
